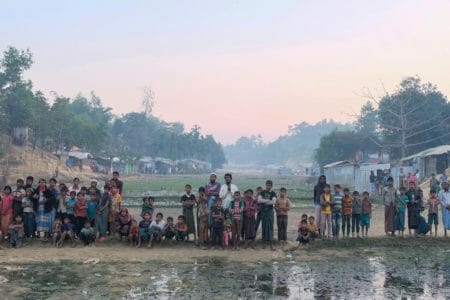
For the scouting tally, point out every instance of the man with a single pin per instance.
(444, 198)
(29, 183)
(227, 191)
(415, 204)
(318, 191)
(212, 190)
(267, 199)
(390, 200)
(94, 183)
(117, 181)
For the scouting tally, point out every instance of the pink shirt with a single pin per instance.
(7, 208)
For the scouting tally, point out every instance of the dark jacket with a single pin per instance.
(318, 190)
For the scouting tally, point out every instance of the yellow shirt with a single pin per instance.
(327, 208)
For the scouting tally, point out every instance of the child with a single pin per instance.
(202, 216)
(181, 229)
(133, 237)
(282, 206)
(236, 217)
(67, 231)
(401, 209)
(92, 206)
(218, 215)
(336, 214)
(433, 207)
(70, 205)
(188, 201)
(258, 207)
(147, 205)
(28, 213)
(56, 235)
(326, 200)
(80, 213)
(312, 228)
(226, 229)
(303, 233)
(144, 229)
(87, 234)
(356, 213)
(169, 230)
(366, 214)
(62, 200)
(116, 202)
(157, 229)
(347, 203)
(249, 224)
(6, 210)
(16, 232)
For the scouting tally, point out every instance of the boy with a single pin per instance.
(282, 206)
(188, 201)
(303, 233)
(181, 230)
(133, 237)
(336, 211)
(312, 228)
(366, 213)
(116, 202)
(28, 213)
(326, 200)
(80, 212)
(356, 213)
(258, 207)
(433, 208)
(147, 205)
(401, 209)
(236, 215)
(56, 235)
(202, 216)
(92, 206)
(67, 231)
(157, 229)
(16, 232)
(101, 217)
(144, 229)
(346, 212)
(218, 216)
(70, 204)
(169, 229)
(87, 234)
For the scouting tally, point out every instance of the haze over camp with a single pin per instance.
(245, 149)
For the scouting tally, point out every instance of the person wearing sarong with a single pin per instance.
(390, 200)
(267, 199)
(444, 198)
(318, 191)
(44, 209)
(249, 224)
(415, 204)
(102, 214)
(188, 201)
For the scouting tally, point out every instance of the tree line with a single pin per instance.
(84, 121)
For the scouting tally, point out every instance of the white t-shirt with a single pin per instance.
(159, 225)
(226, 196)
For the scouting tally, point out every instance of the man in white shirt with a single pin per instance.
(227, 191)
(444, 198)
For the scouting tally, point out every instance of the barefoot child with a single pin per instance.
(87, 234)
(401, 209)
(181, 229)
(203, 216)
(433, 208)
(133, 237)
(236, 216)
(56, 235)
(303, 233)
(80, 212)
(249, 223)
(68, 231)
(366, 214)
(282, 206)
(226, 229)
(313, 229)
(188, 201)
(326, 201)
(157, 229)
(169, 230)
(218, 215)
(16, 232)
(356, 213)
(336, 214)
(144, 229)
(347, 203)
(28, 213)
(70, 205)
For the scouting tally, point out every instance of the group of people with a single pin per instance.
(218, 215)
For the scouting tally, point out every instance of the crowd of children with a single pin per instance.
(217, 216)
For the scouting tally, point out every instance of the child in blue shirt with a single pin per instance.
(70, 204)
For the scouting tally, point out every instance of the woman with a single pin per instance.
(123, 222)
(44, 209)
(6, 210)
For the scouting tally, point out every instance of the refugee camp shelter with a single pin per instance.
(340, 172)
(434, 160)
(362, 175)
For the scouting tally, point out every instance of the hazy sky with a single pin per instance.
(232, 67)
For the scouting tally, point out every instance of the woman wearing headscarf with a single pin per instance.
(123, 221)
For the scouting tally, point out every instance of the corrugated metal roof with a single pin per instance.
(429, 152)
(338, 164)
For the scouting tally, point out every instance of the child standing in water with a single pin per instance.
(366, 214)
(346, 213)
(401, 209)
(356, 213)
(326, 201)
(282, 206)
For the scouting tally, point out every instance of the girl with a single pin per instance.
(249, 223)
(366, 214)
(326, 201)
(226, 229)
(6, 210)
